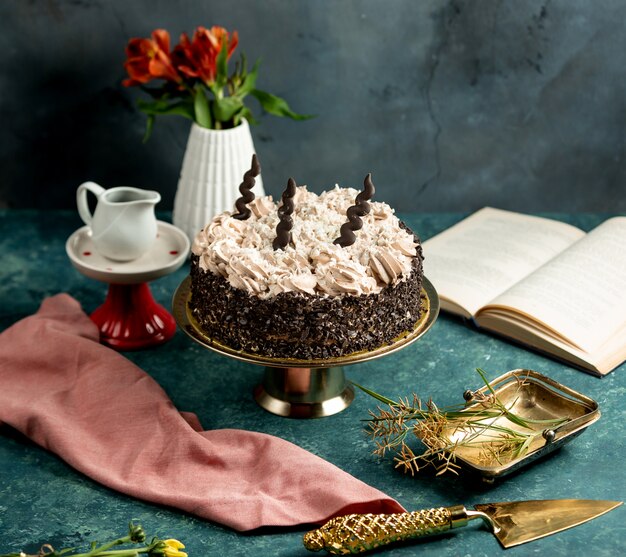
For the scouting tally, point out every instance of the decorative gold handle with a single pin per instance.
(357, 533)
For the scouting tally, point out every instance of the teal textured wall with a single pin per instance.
(451, 105)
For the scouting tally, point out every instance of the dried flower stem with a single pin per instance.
(444, 432)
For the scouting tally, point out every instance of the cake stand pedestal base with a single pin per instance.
(296, 392)
(130, 318)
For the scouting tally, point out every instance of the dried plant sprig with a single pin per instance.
(444, 432)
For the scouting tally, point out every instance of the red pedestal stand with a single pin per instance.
(130, 318)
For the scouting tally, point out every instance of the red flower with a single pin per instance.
(149, 59)
(198, 58)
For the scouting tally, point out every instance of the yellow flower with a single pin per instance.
(171, 548)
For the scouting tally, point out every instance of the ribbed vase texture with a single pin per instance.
(213, 167)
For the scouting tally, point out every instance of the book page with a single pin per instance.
(484, 255)
(581, 293)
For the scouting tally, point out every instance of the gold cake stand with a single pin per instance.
(304, 388)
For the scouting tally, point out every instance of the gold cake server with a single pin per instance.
(512, 523)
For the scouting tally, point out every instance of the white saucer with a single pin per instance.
(168, 253)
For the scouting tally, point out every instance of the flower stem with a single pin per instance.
(103, 549)
(116, 552)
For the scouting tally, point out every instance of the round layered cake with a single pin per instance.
(313, 298)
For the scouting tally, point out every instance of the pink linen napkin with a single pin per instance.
(111, 421)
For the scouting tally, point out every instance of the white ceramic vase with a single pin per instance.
(213, 167)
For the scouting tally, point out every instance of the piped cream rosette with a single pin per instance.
(241, 250)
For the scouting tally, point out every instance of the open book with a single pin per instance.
(540, 282)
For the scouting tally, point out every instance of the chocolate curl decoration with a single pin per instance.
(283, 228)
(245, 188)
(359, 209)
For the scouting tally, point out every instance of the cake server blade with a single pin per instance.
(524, 521)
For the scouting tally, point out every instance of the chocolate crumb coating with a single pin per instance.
(304, 326)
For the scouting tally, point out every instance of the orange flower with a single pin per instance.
(198, 58)
(148, 59)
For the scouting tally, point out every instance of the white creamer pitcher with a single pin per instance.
(123, 225)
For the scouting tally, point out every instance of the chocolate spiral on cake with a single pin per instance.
(245, 188)
(283, 228)
(354, 214)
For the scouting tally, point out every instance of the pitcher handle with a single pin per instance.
(81, 199)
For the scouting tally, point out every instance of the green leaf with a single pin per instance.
(249, 82)
(226, 108)
(246, 113)
(375, 395)
(222, 66)
(154, 92)
(244, 64)
(201, 108)
(277, 106)
(152, 107)
(523, 448)
(483, 376)
(156, 108)
(149, 126)
(216, 90)
(162, 107)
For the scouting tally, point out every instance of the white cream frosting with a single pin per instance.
(241, 250)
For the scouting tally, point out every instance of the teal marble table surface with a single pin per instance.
(43, 500)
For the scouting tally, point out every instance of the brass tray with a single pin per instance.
(304, 388)
(530, 395)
